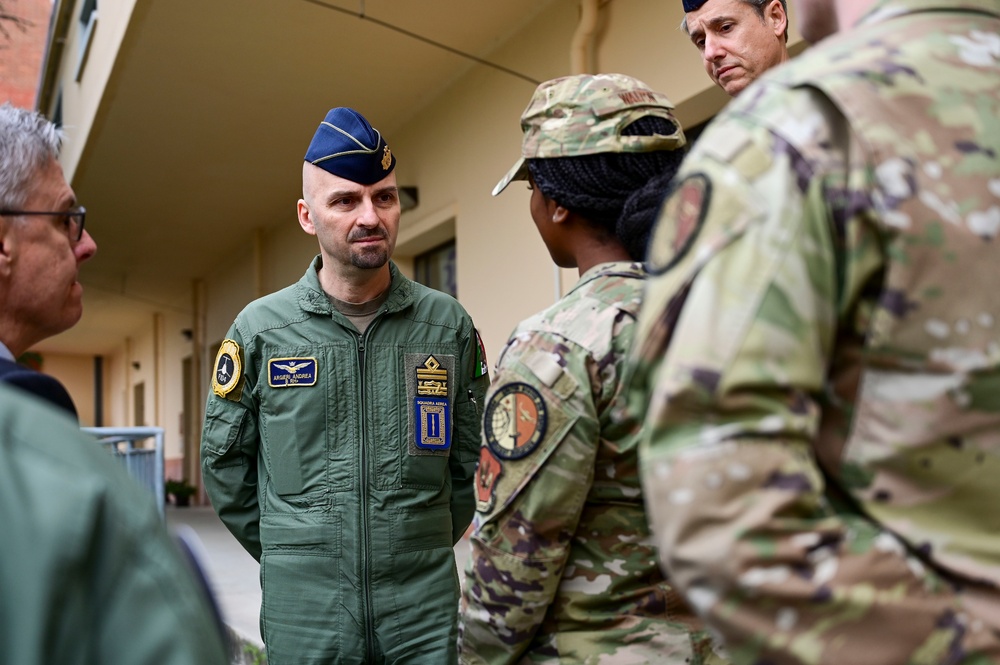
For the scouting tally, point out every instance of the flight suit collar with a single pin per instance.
(313, 299)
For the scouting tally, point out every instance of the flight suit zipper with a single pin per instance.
(366, 595)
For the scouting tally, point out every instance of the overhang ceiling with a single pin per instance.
(200, 133)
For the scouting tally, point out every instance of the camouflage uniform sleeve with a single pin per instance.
(752, 287)
(474, 379)
(230, 441)
(535, 472)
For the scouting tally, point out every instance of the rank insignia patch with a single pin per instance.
(386, 158)
(432, 379)
(487, 475)
(515, 421)
(432, 418)
(291, 372)
(430, 389)
(228, 370)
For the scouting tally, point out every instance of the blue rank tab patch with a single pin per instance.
(433, 423)
(291, 372)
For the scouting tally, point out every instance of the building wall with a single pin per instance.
(22, 49)
(77, 374)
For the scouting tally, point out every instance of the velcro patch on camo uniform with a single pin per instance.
(226, 381)
(488, 474)
(430, 389)
(515, 421)
(679, 222)
(291, 372)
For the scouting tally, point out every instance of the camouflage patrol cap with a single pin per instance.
(585, 115)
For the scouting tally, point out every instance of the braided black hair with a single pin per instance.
(620, 193)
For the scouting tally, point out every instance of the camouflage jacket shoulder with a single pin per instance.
(587, 315)
(832, 342)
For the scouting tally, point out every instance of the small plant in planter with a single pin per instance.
(181, 490)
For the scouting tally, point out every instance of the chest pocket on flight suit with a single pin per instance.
(295, 413)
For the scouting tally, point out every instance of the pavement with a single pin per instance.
(234, 575)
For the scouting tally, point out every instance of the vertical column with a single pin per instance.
(199, 384)
(159, 370)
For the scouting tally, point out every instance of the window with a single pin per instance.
(57, 111)
(436, 268)
(88, 24)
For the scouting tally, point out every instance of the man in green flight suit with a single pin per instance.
(342, 432)
(818, 347)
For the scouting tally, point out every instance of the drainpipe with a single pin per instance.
(581, 61)
(581, 57)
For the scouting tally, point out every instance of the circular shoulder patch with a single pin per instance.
(679, 222)
(515, 421)
(227, 368)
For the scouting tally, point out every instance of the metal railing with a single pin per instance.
(145, 465)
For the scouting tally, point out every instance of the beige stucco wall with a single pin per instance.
(76, 373)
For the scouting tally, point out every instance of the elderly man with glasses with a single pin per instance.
(42, 244)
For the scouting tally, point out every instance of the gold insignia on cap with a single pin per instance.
(228, 369)
(386, 159)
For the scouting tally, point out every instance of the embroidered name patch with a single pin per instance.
(228, 370)
(515, 421)
(291, 372)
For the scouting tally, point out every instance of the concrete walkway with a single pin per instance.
(234, 575)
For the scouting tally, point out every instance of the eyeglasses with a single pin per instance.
(74, 219)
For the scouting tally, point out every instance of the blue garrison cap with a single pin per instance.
(691, 5)
(347, 146)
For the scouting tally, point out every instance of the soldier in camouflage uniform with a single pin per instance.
(562, 569)
(819, 357)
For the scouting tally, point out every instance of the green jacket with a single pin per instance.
(345, 463)
(88, 574)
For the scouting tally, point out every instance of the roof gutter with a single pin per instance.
(59, 24)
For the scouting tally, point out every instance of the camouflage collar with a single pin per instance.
(633, 269)
(885, 9)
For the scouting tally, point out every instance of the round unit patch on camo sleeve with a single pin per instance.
(515, 421)
(679, 222)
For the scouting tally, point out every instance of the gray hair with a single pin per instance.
(758, 6)
(28, 141)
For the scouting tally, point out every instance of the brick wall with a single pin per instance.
(21, 52)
